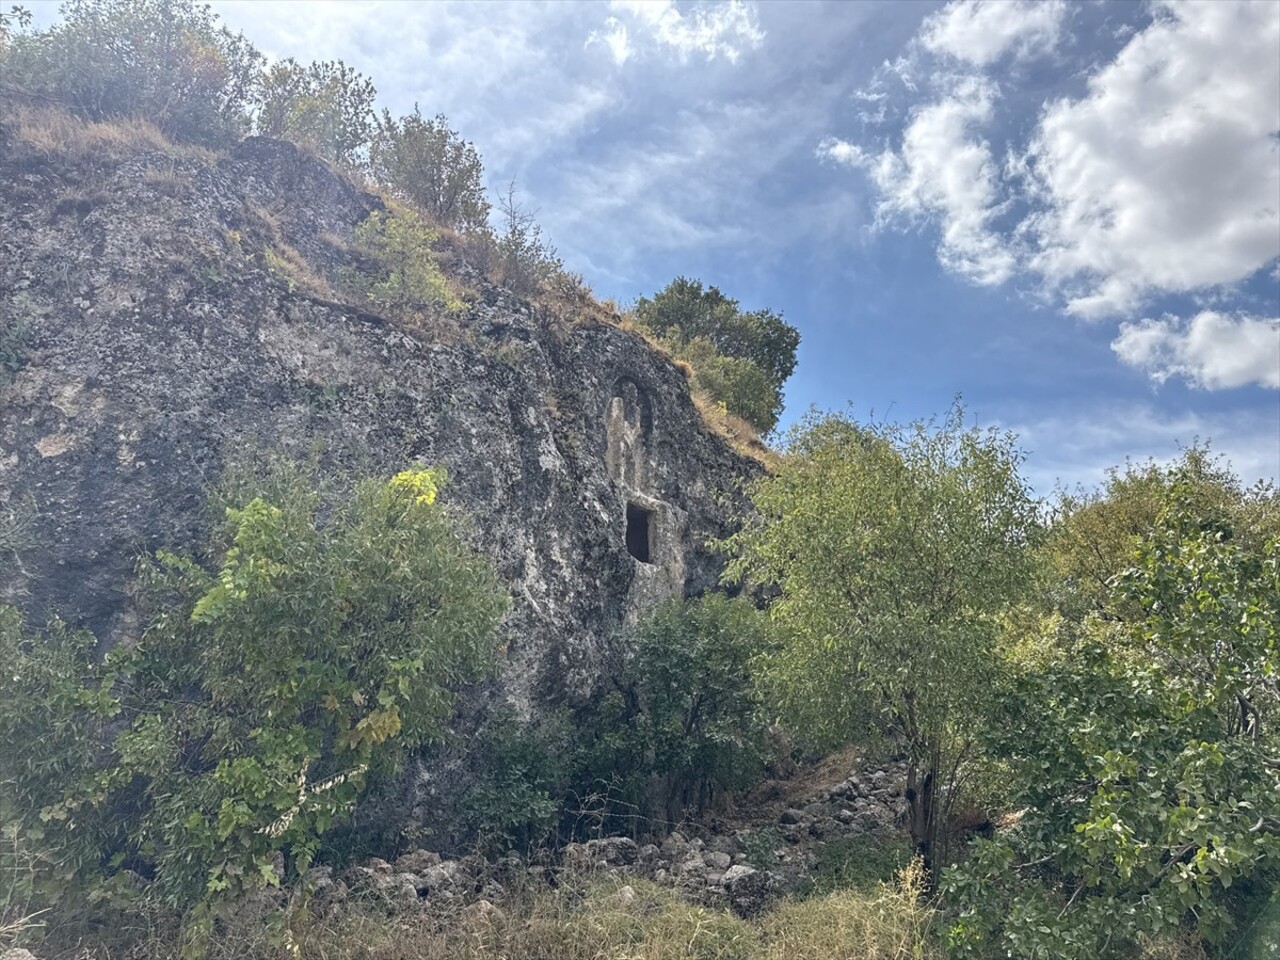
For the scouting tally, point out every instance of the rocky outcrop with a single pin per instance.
(160, 341)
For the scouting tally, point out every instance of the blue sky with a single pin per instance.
(1068, 213)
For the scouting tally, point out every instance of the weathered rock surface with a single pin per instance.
(160, 344)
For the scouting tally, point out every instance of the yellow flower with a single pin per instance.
(422, 485)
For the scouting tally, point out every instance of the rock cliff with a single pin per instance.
(155, 342)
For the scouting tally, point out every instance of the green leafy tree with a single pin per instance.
(167, 61)
(425, 163)
(265, 693)
(685, 309)
(739, 384)
(327, 106)
(55, 709)
(17, 17)
(688, 319)
(1144, 762)
(683, 722)
(1093, 534)
(894, 551)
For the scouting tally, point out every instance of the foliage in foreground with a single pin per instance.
(679, 727)
(265, 693)
(683, 722)
(894, 551)
(1143, 757)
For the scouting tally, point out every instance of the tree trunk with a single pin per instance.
(922, 785)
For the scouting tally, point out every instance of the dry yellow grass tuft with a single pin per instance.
(55, 132)
(603, 919)
(739, 434)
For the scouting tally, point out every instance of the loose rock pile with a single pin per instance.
(744, 870)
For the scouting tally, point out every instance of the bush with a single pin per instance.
(1144, 761)
(326, 106)
(520, 776)
(426, 164)
(168, 61)
(408, 282)
(325, 642)
(526, 262)
(683, 723)
(700, 325)
(742, 387)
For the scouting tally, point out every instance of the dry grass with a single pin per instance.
(54, 132)
(602, 919)
(289, 265)
(740, 434)
(169, 181)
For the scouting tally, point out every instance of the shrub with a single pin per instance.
(326, 106)
(325, 642)
(408, 281)
(168, 61)
(683, 723)
(424, 163)
(525, 261)
(742, 387)
(1144, 761)
(694, 323)
(520, 775)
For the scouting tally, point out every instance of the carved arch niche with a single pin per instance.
(628, 427)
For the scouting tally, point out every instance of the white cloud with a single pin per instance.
(980, 32)
(725, 29)
(614, 37)
(1163, 178)
(1211, 350)
(1166, 176)
(944, 172)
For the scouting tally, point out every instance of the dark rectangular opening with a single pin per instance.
(638, 532)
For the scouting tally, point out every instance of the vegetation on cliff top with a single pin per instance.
(170, 63)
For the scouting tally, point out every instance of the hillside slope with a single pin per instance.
(171, 309)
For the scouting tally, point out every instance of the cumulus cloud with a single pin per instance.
(943, 171)
(725, 29)
(1165, 177)
(1162, 178)
(980, 32)
(1211, 350)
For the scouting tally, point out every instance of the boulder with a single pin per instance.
(750, 892)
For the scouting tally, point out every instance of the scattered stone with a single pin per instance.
(791, 816)
(483, 911)
(614, 851)
(417, 861)
(750, 891)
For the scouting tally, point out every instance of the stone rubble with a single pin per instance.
(746, 870)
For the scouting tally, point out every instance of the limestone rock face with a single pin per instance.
(159, 342)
